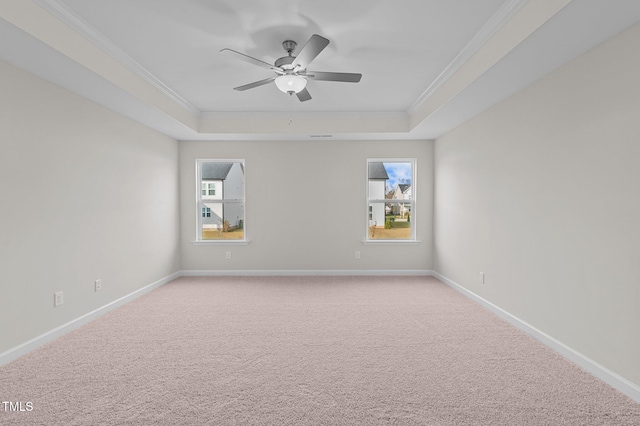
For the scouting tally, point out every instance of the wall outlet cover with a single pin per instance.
(58, 298)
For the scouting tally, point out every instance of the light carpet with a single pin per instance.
(304, 351)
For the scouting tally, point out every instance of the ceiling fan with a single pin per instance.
(291, 71)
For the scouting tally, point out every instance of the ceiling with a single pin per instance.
(427, 65)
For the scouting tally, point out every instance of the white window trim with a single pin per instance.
(220, 242)
(414, 202)
(198, 188)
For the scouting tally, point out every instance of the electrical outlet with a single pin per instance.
(57, 299)
(357, 255)
(98, 285)
(481, 277)
(228, 255)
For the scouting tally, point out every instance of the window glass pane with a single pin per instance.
(223, 221)
(390, 194)
(398, 185)
(391, 221)
(223, 200)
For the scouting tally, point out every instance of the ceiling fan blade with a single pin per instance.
(309, 51)
(254, 84)
(303, 95)
(346, 77)
(251, 60)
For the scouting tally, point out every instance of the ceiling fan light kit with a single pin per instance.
(292, 74)
(291, 83)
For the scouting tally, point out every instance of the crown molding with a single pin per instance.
(75, 22)
(324, 115)
(488, 30)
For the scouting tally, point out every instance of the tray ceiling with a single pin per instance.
(427, 65)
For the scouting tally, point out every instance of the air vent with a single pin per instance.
(321, 136)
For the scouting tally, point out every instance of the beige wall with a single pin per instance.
(85, 194)
(542, 193)
(306, 207)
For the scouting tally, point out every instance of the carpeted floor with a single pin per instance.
(304, 351)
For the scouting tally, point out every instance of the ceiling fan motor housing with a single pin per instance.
(285, 62)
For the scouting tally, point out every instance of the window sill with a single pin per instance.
(220, 243)
(391, 242)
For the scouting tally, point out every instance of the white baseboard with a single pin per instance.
(618, 382)
(306, 272)
(28, 346)
(613, 379)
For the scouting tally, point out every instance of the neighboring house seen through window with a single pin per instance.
(390, 199)
(221, 200)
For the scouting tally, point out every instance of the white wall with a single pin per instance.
(377, 190)
(542, 193)
(306, 206)
(85, 194)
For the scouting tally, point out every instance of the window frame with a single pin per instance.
(199, 199)
(413, 202)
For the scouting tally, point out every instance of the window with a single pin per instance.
(208, 189)
(220, 200)
(391, 199)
